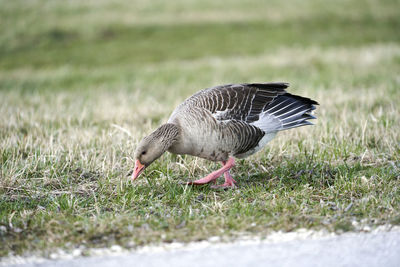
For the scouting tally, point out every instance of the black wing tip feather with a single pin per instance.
(292, 110)
(305, 100)
(273, 85)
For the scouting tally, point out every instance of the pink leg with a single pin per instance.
(228, 176)
(229, 181)
(214, 175)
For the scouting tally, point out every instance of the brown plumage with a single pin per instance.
(224, 122)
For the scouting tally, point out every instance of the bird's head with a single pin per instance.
(153, 146)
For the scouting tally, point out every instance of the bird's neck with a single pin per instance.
(169, 134)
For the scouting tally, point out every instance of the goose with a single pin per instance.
(223, 123)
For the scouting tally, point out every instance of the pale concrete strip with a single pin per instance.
(362, 249)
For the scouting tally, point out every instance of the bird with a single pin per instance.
(223, 123)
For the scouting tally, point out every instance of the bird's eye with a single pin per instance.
(143, 152)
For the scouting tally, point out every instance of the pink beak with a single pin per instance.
(139, 167)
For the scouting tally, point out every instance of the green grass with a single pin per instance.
(82, 83)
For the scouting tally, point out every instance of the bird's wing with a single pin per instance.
(241, 102)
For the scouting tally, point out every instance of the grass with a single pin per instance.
(82, 83)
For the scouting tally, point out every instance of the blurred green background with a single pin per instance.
(155, 45)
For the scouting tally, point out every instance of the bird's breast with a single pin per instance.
(201, 136)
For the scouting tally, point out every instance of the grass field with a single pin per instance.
(81, 82)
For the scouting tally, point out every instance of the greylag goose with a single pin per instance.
(223, 123)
